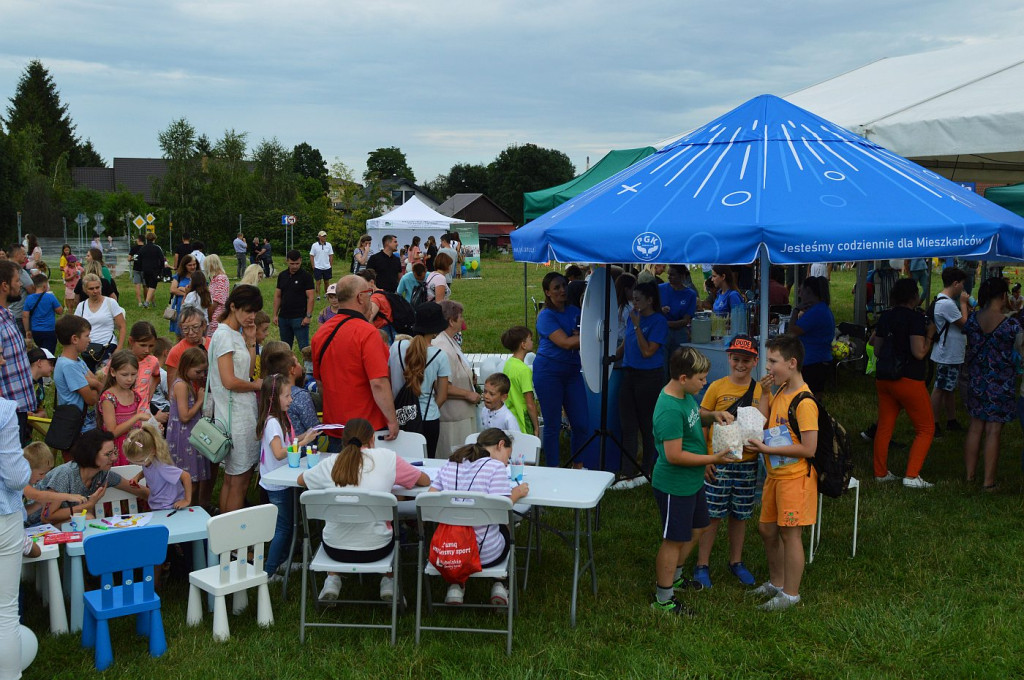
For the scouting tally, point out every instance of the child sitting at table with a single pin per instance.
(40, 461)
(481, 467)
(519, 341)
(274, 428)
(169, 486)
(495, 412)
(362, 467)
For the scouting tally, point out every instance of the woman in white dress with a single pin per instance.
(231, 352)
(106, 317)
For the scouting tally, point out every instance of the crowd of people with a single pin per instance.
(387, 356)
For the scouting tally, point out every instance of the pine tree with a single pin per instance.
(36, 101)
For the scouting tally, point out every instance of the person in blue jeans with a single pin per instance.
(274, 429)
(556, 371)
(293, 301)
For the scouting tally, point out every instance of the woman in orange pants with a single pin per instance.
(901, 382)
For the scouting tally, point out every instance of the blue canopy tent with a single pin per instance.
(771, 180)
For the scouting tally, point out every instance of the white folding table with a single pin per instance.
(579, 490)
(186, 526)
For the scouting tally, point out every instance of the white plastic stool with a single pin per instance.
(816, 528)
(45, 570)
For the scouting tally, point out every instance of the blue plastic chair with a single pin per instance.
(123, 551)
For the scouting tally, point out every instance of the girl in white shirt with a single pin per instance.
(360, 466)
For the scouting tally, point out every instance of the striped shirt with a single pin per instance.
(14, 468)
(484, 475)
(16, 373)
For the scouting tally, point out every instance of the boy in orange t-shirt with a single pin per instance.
(789, 500)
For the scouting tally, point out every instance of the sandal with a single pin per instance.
(989, 488)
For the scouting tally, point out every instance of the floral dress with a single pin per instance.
(219, 289)
(184, 455)
(989, 369)
(122, 413)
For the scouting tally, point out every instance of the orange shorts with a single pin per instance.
(790, 502)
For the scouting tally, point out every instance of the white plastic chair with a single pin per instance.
(241, 530)
(115, 501)
(45, 572)
(349, 506)
(815, 541)
(409, 445)
(466, 508)
(492, 364)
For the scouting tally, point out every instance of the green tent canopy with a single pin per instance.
(536, 203)
(1010, 197)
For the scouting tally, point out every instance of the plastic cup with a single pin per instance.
(517, 471)
(293, 459)
(312, 460)
(77, 523)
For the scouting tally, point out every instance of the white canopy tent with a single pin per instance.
(412, 218)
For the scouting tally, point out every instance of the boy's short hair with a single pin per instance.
(261, 318)
(951, 275)
(40, 279)
(307, 353)
(162, 347)
(789, 346)
(500, 381)
(368, 274)
(70, 325)
(514, 337)
(277, 361)
(419, 269)
(38, 455)
(687, 361)
(275, 346)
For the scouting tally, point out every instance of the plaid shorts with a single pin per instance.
(732, 493)
(947, 376)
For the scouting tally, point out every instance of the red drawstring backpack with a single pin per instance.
(454, 551)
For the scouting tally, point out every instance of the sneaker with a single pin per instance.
(889, 477)
(331, 589)
(867, 435)
(387, 588)
(766, 589)
(780, 602)
(499, 594)
(740, 571)
(672, 606)
(276, 578)
(701, 579)
(916, 483)
(455, 594)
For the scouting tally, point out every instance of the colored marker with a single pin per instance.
(101, 528)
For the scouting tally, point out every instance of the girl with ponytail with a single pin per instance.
(360, 466)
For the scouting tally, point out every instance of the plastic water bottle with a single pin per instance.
(971, 302)
(517, 467)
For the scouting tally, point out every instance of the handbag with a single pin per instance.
(65, 426)
(170, 313)
(210, 437)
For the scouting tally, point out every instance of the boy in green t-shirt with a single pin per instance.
(519, 341)
(678, 478)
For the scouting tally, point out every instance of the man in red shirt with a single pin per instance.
(350, 361)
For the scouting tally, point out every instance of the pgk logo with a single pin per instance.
(646, 246)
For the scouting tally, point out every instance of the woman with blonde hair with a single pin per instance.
(219, 289)
(252, 276)
(360, 466)
(425, 370)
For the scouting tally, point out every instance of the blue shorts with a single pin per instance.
(322, 274)
(947, 377)
(732, 493)
(680, 515)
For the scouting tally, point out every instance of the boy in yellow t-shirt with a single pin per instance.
(730, 488)
(789, 500)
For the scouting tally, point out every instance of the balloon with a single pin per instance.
(474, 265)
(463, 269)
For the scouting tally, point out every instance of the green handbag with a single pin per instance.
(210, 437)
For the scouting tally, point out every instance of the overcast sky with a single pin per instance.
(452, 81)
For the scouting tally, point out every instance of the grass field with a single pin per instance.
(934, 591)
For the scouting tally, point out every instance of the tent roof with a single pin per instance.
(536, 203)
(960, 100)
(413, 214)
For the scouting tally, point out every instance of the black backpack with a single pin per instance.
(419, 294)
(403, 314)
(833, 458)
(890, 361)
(407, 404)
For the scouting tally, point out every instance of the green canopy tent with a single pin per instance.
(1010, 197)
(536, 203)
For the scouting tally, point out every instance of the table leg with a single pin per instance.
(58, 614)
(296, 519)
(590, 552)
(77, 594)
(575, 568)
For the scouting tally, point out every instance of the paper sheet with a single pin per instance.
(41, 530)
(127, 521)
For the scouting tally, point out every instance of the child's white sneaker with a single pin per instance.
(766, 589)
(916, 483)
(332, 588)
(780, 602)
(455, 594)
(387, 588)
(499, 594)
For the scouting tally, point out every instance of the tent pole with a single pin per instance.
(763, 307)
(860, 298)
(526, 300)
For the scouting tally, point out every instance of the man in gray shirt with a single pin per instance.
(446, 247)
(16, 253)
(240, 252)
